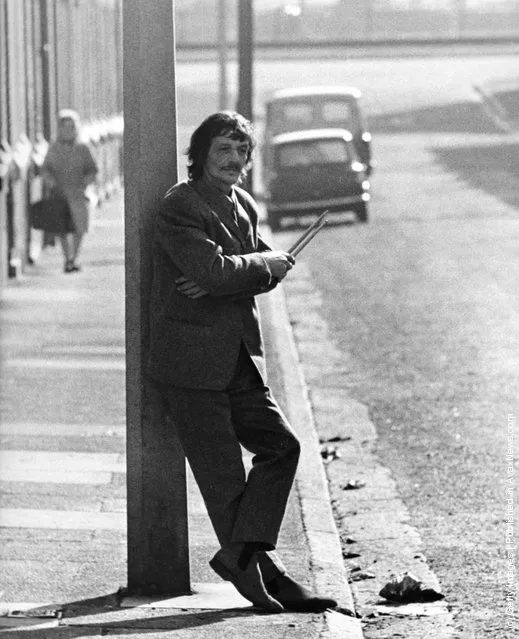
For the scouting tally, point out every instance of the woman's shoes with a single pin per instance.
(71, 267)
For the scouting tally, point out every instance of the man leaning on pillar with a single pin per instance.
(206, 353)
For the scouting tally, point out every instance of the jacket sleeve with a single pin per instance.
(183, 235)
(90, 168)
(252, 210)
(47, 168)
(262, 246)
(258, 291)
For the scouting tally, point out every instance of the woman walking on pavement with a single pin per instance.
(69, 168)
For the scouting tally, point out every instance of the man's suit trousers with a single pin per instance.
(211, 426)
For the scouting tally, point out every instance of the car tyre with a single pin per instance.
(362, 213)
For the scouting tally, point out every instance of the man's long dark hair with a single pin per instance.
(221, 123)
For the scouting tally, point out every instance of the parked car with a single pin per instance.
(318, 108)
(310, 171)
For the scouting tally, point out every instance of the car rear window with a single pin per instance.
(311, 114)
(313, 152)
(292, 116)
(337, 113)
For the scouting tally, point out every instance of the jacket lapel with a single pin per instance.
(229, 212)
(226, 215)
(243, 224)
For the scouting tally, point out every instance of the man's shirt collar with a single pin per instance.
(214, 197)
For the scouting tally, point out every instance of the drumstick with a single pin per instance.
(301, 245)
(318, 224)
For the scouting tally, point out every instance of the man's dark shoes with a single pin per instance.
(245, 578)
(294, 596)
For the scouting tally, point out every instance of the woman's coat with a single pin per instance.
(72, 166)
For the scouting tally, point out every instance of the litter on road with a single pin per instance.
(406, 588)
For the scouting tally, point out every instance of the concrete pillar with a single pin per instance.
(245, 58)
(158, 558)
(245, 103)
(223, 92)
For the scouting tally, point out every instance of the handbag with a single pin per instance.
(52, 215)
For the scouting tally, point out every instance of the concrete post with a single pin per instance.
(245, 48)
(222, 55)
(245, 68)
(158, 558)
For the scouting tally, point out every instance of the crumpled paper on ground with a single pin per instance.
(406, 588)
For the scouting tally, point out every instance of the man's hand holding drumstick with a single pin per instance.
(309, 234)
(286, 259)
(279, 262)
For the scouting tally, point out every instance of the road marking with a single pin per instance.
(108, 364)
(61, 519)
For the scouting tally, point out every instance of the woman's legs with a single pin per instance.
(71, 243)
(77, 238)
(66, 246)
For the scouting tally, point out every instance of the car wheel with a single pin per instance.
(362, 213)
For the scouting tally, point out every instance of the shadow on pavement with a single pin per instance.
(509, 100)
(458, 117)
(486, 167)
(103, 615)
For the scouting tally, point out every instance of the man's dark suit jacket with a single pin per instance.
(194, 343)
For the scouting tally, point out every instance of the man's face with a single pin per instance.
(68, 130)
(225, 161)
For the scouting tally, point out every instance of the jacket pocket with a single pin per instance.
(194, 320)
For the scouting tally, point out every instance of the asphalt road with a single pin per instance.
(422, 304)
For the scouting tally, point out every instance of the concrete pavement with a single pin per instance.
(62, 470)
